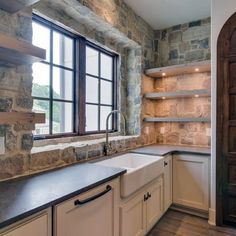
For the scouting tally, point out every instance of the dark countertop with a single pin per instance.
(162, 150)
(22, 197)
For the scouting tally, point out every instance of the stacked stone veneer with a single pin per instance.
(109, 23)
(194, 134)
(15, 95)
(183, 43)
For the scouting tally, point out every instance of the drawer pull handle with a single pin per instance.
(90, 199)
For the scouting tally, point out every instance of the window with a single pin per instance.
(99, 89)
(75, 86)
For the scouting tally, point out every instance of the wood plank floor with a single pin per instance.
(181, 224)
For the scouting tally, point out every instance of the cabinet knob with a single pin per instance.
(145, 197)
(149, 195)
(165, 163)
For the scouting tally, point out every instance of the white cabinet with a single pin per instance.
(92, 213)
(140, 213)
(191, 181)
(133, 215)
(36, 225)
(167, 182)
(154, 204)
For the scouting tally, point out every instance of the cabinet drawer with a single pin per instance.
(37, 225)
(91, 213)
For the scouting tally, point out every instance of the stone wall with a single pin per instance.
(113, 25)
(109, 23)
(15, 95)
(183, 43)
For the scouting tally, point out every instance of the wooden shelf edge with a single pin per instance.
(18, 52)
(13, 6)
(176, 119)
(179, 94)
(203, 66)
(14, 117)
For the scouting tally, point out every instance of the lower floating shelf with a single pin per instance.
(176, 119)
(11, 118)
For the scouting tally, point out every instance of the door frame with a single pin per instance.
(223, 47)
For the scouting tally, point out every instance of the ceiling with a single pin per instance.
(161, 14)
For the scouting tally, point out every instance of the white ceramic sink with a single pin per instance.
(141, 169)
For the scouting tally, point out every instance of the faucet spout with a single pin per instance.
(107, 146)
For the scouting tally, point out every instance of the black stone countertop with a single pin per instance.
(25, 196)
(162, 150)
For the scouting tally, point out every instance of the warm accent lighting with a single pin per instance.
(196, 96)
(196, 69)
(163, 74)
(163, 98)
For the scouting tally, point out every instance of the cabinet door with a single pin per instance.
(154, 203)
(167, 182)
(132, 217)
(95, 217)
(37, 226)
(191, 181)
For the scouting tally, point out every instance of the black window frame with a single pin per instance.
(79, 81)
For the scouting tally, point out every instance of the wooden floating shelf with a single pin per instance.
(13, 6)
(196, 67)
(11, 118)
(17, 52)
(175, 119)
(179, 94)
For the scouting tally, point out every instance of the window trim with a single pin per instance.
(79, 82)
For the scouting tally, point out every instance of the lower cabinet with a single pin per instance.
(36, 225)
(92, 213)
(191, 181)
(140, 213)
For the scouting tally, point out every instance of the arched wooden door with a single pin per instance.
(226, 125)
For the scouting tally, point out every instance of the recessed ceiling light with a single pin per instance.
(163, 74)
(196, 96)
(163, 98)
(196, 69)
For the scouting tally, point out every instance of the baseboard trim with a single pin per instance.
(191, 211)
(212, 217)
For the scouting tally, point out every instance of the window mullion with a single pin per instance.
(81, 91)
(51, 84)
(99, 91)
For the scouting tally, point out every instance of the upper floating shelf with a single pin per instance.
(179, 94)
(196, 67)
(17, 52)
(13, 117)
(13, 6)
(177, 119)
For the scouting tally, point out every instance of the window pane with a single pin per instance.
(91, 118)
(41, 107)
(106, 66)
(62, 50)
(41, 38)
(62, 117)
(41, 74)
(91, 61)
(104, 113)
(91, 89)
(62, 84)
(106, 92)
